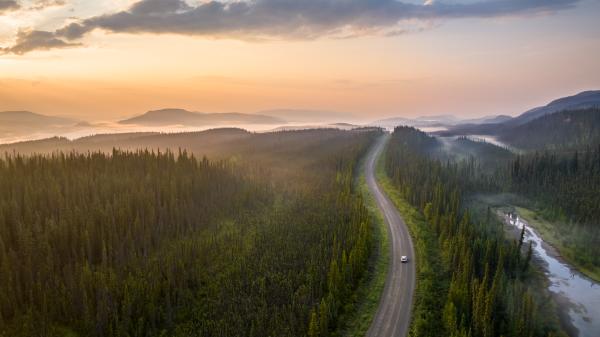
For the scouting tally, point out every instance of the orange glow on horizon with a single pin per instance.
(443, 70)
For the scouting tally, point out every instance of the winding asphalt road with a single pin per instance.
(393, 315)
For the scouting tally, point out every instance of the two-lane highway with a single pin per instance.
(393, 315)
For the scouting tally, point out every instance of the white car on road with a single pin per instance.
(404, 259)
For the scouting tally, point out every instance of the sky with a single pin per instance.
(108, 59)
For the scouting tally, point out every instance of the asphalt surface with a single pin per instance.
(393, 315)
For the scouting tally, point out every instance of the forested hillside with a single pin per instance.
(564, 130)
(561, 184)
(271, 242)
(566, 184)
(564, 188)
(556, 173)
(481, 289)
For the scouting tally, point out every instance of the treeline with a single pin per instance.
(565, 188)
(483, 292)
(567, 183)
(471, 164)
(559, 167)
(165, 244)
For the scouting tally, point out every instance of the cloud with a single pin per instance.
(28, 40)
(35, 5)
(286, 19)
(158, 7)
(8, 5)
(42, 4)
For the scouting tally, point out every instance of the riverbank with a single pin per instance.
(493, 209)
(538, 279)
(578, 297)
(565, 241)
(549, 234)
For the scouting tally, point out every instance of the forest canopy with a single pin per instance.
(480, 287)
(149, 243)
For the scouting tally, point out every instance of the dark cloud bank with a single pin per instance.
(272, 19)
(8, 5)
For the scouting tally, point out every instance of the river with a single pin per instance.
(581, 293)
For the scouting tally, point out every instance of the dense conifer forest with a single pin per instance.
(483, 288)
(567, 183)
(149, 243)
(267, 236)
(564, 187)
(561, 184)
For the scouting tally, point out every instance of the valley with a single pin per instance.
(299, 168)
(452, 195)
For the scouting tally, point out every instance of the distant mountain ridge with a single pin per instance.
(30, 119)
(564, 130)
(341, 126)
(16, 124)
(582, 100)
(307, 115)
(439, 121)
(490, 119)
(189, 118)
(25, 125)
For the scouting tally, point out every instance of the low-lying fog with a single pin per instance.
(108, 128)
(16, 126)
(73, 133)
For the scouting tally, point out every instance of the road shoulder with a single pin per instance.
(369, 293)
(431, 278)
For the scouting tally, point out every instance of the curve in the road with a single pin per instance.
(393, 315)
